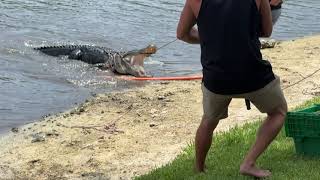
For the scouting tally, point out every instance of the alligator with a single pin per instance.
(127, 63)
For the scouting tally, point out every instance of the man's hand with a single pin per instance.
(275, 2)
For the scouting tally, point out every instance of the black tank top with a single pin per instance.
(230, 48)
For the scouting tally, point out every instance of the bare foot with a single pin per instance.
(252, 170)
(200, 170)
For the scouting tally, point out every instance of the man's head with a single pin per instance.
(132, 62)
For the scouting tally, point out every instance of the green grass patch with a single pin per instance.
(228, 151)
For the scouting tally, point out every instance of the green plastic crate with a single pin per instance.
(304, 127)
(307, 146)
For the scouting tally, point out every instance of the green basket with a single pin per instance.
(309, 146)
(304, 127)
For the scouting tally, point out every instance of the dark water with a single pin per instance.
(32, 85)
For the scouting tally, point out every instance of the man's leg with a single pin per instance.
(203, 142)
(267, 132)
(270, 100)
(215, 107)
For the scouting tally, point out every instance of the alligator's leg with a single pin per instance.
(76, 54)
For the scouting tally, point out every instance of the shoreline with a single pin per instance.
(126, 134)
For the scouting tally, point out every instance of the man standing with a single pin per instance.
(228, 33)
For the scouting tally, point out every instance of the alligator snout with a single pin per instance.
(149, 50)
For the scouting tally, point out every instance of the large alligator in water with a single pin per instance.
(129, 63)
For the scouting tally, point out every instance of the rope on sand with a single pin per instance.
(177, 78)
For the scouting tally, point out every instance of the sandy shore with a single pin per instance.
(125, 134)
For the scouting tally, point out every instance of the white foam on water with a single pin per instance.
(150, 61)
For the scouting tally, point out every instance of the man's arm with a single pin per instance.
(186, 30)
(266, 18)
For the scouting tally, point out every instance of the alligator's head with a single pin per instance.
(132, 62)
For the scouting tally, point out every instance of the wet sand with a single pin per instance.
(126, 134)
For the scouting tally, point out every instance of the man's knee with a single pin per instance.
(279, 111)
(209, 124)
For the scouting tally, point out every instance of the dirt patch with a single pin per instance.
(121, 135)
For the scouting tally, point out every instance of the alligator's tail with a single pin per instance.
(58, 50)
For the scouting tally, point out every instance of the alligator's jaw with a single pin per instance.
(137, 60)
(137, 57)
(135, 64)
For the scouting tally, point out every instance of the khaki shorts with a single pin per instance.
(267, 99)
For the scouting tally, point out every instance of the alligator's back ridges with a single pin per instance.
(57, 50)
(62, 46)
(67, 49)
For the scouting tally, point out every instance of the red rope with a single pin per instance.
(181, 78)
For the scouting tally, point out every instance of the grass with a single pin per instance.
(227, 153)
